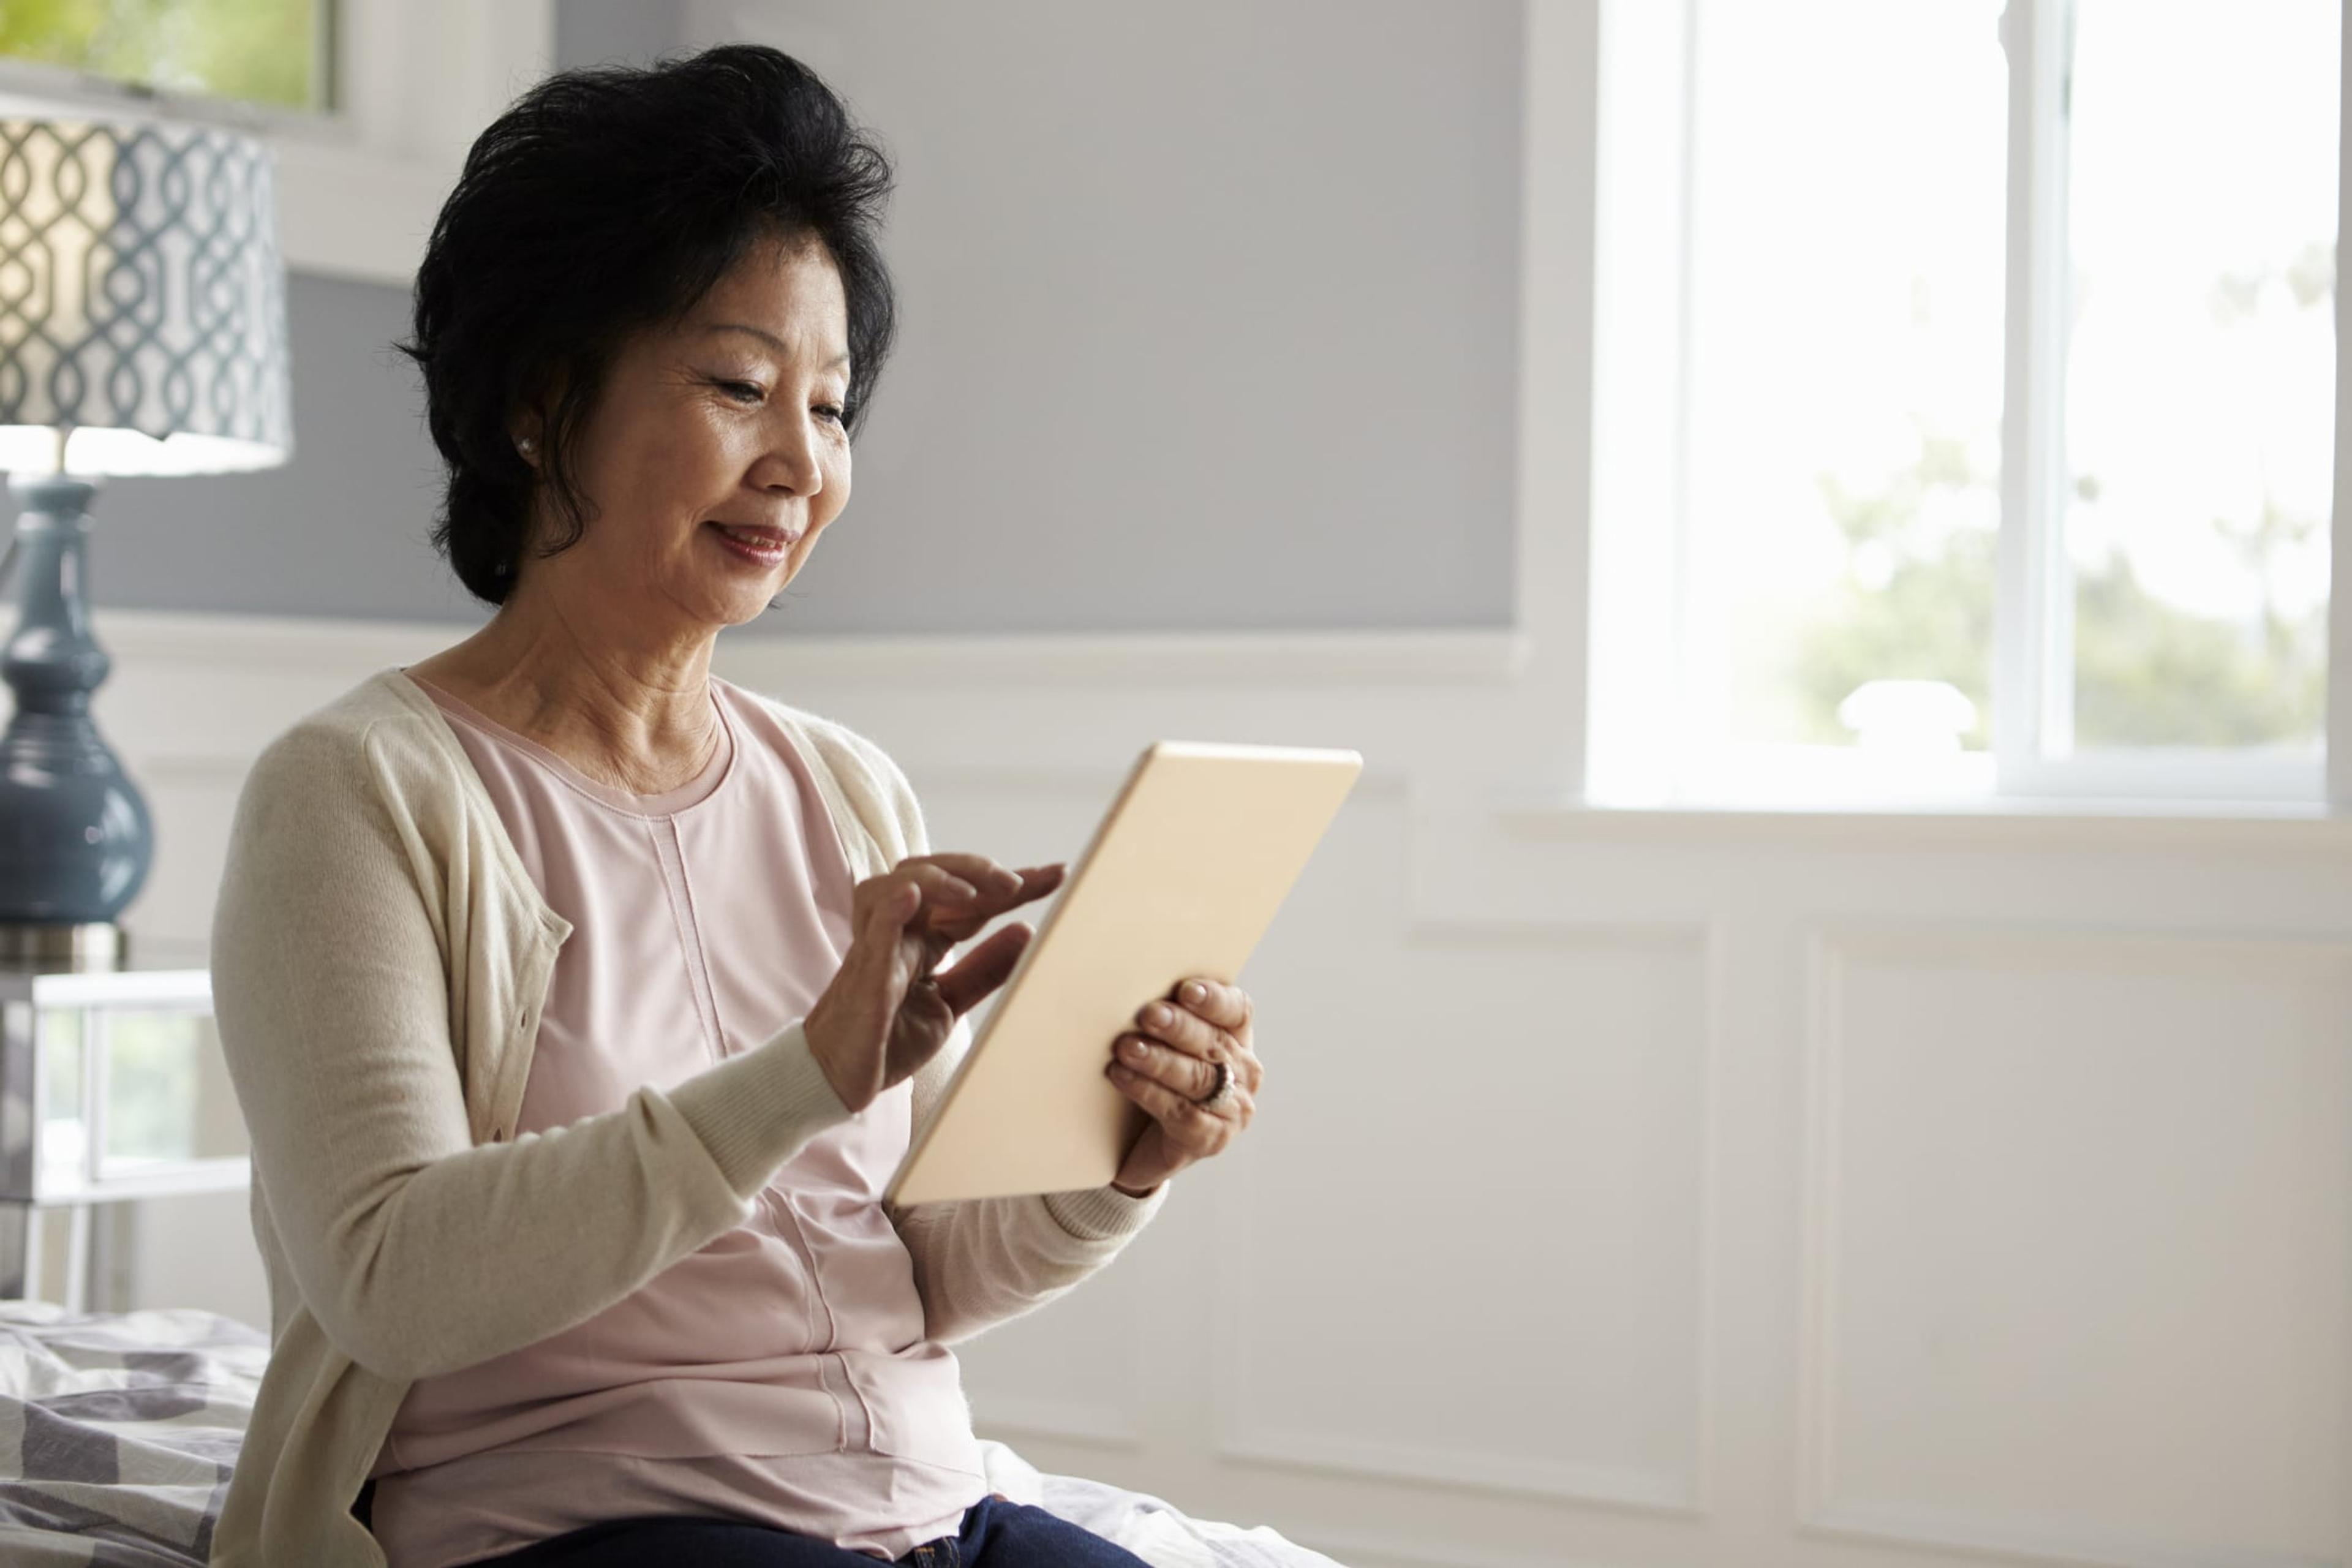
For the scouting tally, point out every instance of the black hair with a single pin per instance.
(606, 200)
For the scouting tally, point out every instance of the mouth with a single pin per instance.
(764, 546)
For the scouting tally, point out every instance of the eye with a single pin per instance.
(735, 388)
(831, 411)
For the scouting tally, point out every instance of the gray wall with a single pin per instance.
(1209, 320)
(339, 531)
(630, 32)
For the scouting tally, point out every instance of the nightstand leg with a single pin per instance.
(20, 1249)
(78, 1224)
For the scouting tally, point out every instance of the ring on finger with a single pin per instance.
(1222, 1090)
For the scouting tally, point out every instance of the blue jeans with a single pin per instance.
(995, 1534)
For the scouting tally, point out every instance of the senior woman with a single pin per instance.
(581, 1003)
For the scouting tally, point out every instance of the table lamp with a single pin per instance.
(142, 331)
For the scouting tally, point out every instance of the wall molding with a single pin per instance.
(1360, 1549)
(317, 657)
(2084, 826)
(2049, 1547)
(1440, 658)
(1456, 1470)
(1685, 1495)
(1829, 947)
(1089, 1425)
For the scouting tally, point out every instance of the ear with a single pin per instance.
(527, 424)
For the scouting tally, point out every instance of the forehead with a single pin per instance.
(792, 295)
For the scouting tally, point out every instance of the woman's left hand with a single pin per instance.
(1167, 1065)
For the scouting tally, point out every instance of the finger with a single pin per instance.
(977, 869)
(932, 887)
(1186, 1031)
(1003, 885)
(1227, 1006)
(895, 921)
(875, 935)
(948, 911)
(1035, 882)
(1193, 1127)
(1030, 883)
(997, 888)
(961, 923)
(1248, 1069)
(1182, 1071)
(1235, 1111)
(938, 882)
(881, 906)
(1038, 881)
(983, 968)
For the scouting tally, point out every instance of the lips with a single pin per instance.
(760, 537)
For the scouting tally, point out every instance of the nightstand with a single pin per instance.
(112, 1088)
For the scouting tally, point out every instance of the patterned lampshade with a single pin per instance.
(142, 299)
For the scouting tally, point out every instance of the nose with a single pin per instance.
(790, 464)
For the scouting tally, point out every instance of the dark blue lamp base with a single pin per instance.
(75, 836)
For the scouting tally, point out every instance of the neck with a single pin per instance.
(622, 709)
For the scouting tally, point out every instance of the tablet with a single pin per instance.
(1183, 877)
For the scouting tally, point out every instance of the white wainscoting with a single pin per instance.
(2149, 1249)
(1630, 1188)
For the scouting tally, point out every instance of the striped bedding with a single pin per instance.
(118, 1432)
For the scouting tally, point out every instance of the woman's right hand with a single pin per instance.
(884, 1012)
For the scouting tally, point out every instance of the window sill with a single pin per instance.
(2011, 823)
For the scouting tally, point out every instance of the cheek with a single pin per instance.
(835, 494)
(655, 480)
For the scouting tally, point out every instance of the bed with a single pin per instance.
(118, 1432)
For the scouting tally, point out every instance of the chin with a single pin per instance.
(749, 605)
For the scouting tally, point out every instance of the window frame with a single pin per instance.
(1638, 669)
(59, 83)
(361, 182)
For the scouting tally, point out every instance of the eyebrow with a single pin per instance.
(772, 340)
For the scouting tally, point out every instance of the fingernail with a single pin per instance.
(1194, 991)
(1156, 1014)
(1131, 1049)
(1006, 879)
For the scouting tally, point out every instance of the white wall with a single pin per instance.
(1630, 1188)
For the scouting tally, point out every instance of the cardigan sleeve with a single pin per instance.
(337, 967)
(981, 1261)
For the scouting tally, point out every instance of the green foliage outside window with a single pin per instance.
(262, 51)
(1916, 601)
(2149, 673)
(2146, 672)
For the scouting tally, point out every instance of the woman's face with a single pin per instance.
(732, 416)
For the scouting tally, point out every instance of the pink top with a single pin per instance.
(778, 1375)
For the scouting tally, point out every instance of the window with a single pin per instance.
(272, 53)
(368, 137)
(1965, 399)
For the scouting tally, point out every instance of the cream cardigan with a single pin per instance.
(379, 959)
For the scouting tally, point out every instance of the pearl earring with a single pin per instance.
(527, 446)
